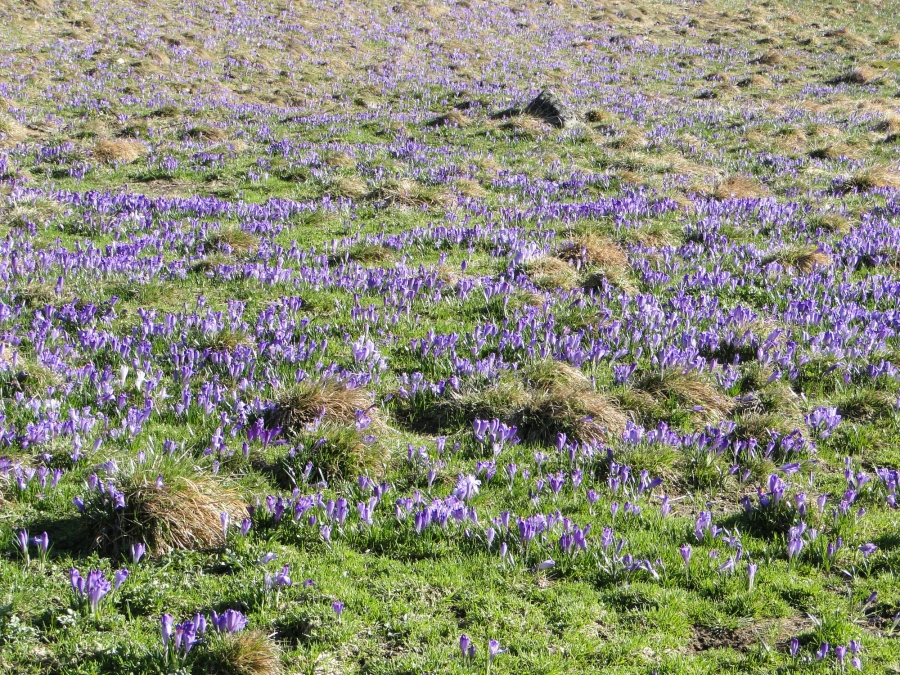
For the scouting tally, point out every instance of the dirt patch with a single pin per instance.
(705, 638)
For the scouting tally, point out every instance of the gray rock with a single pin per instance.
(548, 107)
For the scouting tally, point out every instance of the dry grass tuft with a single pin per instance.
(688, 389)
(867, 405)
(451, 118)
(362, 252)
(11, 130)
(771, 58)
(562, 400)
(524, 125)
(407, 192)
(327, 400)
(120, 151)
(548, 273)
(870, 179)
(207, 134)
(338, 159)
(860, 75)
(351, 187)
(739, 187)
(599, 116)
(594, 250)
(249, 652)
(234, 240)
(185, 513)
(469, 188)
(803, 259)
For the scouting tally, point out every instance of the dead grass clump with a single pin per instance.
(11, 130)
(338, 159)
(867, 405)
(599, 116)
(351, 187)
(830, 152)
(327, 400)
(336, 451)
(830, 222)
(689, 390)
(630, 139)
(548, 273)
(234, 240)
(249, 652)
(207, 134)
(890, 124)
(869, 179)
(562, 400)
(771, 58)
(739, 187)
(861, 75)
(598, 278)
(120, 151)
(755, 80)
(469, 188)
(362, 252)
(407, 192)
(803, 259)
(594, 250)
(761, 426)
(184, 512)
(581, 413)
(453, 118)
(524, 125)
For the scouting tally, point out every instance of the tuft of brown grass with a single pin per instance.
(11, 130)
(739, 187)
(803, 259)
(869, 179)
(861, 75)
(594, 250)
(184, 513)
(453, 117)
(408, 192)
(771, 58)
(338, 159)
(689, 390)
(207, 134)
(562, 400)
(600, 116)
(469, 188)
(867, 405)
(548, 273)
(233, 239)
(362, 252)
(331, 401)
(351, 187)
(249, 652)
(119, 151)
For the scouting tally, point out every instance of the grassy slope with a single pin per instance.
(307, 98)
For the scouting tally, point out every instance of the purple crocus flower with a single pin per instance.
(42, 542)
(120, 578)
(839, 653)
(231, 621)
(246, 523)
(137, 552)
(686, 554)
(868, 549)
(795, 647)
(751, 574)
(824, 648)
(494, 649)
(464, 644)
(168, 628)
(338, 607)
(22, 538)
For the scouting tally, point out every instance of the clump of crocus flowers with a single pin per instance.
(90, 590)
(179, 638)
